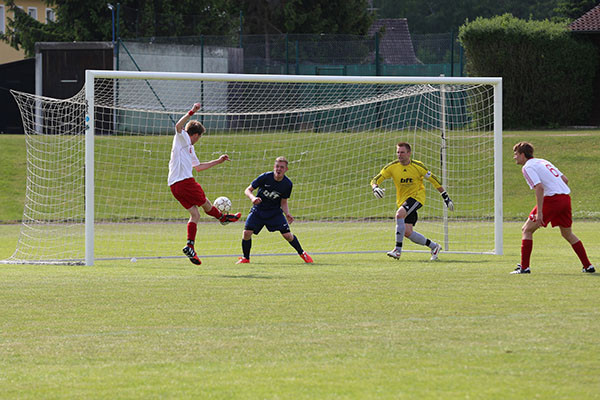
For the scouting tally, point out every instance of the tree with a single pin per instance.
(573, 9)
(439, 16)
(306, 16)
(90, 20)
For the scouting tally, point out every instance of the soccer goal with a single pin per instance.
(97, 163)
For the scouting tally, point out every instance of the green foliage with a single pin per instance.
(89, 20)
(547, 73)
(573, 9)
(306, 16)
(439, 16)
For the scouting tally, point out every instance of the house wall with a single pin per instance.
(7, 53)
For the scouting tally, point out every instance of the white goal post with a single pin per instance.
(97, 163)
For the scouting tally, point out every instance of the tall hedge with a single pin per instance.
(547, 73)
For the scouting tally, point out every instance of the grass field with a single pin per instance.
(348, 327)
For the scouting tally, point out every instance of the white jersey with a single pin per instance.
(538, 170)
(183, 158)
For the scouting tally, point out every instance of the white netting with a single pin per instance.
(337, 136)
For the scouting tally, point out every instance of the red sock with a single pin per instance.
(214, 212)
(526, 247)
(580, 251)
(191, 231)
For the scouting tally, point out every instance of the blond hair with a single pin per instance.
(282, 159)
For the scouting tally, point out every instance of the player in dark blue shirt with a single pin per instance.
(268, 209)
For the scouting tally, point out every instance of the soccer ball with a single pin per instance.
(223, 204)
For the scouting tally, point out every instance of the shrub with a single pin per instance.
(547, 73)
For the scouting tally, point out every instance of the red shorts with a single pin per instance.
(188, 192)
(557, 210)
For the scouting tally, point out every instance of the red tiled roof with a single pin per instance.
(588, 22)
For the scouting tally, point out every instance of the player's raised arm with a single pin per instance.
(185, 118)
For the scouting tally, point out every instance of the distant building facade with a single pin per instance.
(36, 9)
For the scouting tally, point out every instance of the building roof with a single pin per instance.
(395, 44)
(588, 22)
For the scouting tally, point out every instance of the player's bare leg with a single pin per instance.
(213, 211)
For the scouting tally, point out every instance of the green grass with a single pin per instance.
(349, 326)
(575, 152)
(577, 155)
(12, 177)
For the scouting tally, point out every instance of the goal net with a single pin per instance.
(97, 163)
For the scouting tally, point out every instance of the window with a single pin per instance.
(2, 29)
(50, 16)
(32, 11)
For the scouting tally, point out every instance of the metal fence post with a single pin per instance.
(240, 29)
(377, 66)
(452, 53)
(287, 55)
(297, 58)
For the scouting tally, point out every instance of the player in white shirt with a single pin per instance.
(182, 183)
(553, 205)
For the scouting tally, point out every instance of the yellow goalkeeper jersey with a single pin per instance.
(408, 180)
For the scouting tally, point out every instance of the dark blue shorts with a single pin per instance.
(274, 221)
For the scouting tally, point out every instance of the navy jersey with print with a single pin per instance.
(271, 191)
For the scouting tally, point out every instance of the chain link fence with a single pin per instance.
(300, 54)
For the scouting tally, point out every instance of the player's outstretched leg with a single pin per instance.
(227, 218)
(417, 238)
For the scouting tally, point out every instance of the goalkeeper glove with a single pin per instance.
(378, 192)
(448, 201)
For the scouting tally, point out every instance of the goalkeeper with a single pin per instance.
(182, 183)
(270, 209)
(408, 176)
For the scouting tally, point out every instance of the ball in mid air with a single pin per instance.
(223, 204)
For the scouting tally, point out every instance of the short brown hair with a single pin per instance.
(525, 148)
(405, 145)
(282, 159)
(194, 127)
